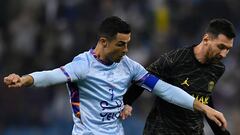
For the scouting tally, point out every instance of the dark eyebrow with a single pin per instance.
(225, 46)
(121, 42)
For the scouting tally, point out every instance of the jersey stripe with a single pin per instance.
(66, 74)
(75, 101)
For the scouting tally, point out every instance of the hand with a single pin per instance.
(211, 113)
(216, 116)
(15, 81)
(126, 112)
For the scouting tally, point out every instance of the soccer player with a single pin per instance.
(98, 79)
(196, 70)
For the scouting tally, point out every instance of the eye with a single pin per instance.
(121, 44)
(222, 47)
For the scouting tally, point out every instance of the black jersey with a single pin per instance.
(182, 69)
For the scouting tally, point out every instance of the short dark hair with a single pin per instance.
(113, 25)
(221, 26)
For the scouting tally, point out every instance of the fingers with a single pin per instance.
(12, 80)
(16, 80)
(219, 119)
(216, 116)
(16, 85)
(222, 119)
(123, 116)
(8, 80)
(126, 112)
(218, 122)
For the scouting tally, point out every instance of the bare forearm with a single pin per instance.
(198, 106)
(26, 80)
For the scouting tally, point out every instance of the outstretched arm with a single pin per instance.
(38, 79)
(179, 97)
(67, 73)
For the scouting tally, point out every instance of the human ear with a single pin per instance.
(205, 39)
(103, 41)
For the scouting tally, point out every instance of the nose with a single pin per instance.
(125, 50)
(224, 53)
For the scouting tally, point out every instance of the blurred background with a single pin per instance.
(45, 34)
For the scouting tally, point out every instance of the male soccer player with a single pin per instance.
(196, 70)
(97, 80)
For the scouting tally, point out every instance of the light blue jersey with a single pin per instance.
(96, 91)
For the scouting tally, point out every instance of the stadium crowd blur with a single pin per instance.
(45, 34)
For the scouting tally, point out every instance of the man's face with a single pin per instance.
(118, 47)
(218, 47)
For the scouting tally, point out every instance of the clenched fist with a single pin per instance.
(15, 81)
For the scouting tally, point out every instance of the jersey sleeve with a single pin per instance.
(173, 94)
(71, 72)
(138, 71)
(166, 91)
(47, 78)
(161, 68)
(76, 70)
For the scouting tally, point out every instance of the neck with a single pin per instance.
(98, 51)
(100, 55)
(200, 52)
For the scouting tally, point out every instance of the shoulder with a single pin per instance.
(179, 51)
(128, 61)
(218, 68)
(82, 56)
(131, 64)
(85, 57)
(176, 55)
(82, 60)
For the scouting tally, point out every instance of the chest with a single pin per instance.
(196, 78)
(116, 77)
